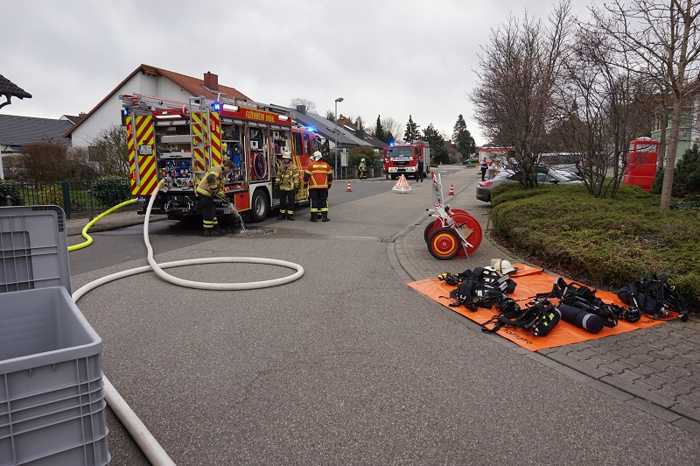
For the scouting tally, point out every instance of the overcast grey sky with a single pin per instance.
(392, 58)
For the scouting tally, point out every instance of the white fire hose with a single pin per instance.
(140, 433)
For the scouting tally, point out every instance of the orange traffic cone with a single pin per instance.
(348, 187)
(402, 185)
(451, 191)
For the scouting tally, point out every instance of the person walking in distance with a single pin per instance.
(421, 171)
(288, 181)
(319, 175)
(484, 167)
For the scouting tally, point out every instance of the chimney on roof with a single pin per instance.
(301, 109)
(211, 81)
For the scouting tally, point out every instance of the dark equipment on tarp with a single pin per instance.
(581, 318)
(585, 299)
(479, 287)
(654, 296)
(539, 317)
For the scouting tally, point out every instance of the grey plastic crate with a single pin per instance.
(52, 408)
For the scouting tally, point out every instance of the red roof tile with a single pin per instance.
(192, 85)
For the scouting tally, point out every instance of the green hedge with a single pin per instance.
(111, 190)
(607, 242)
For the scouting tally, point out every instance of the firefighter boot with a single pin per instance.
(325, 217)
(314, 217)
(290, 215)
(282, 216)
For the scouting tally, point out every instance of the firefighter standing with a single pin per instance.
(362, 169)
(319, 175)
(209, 187)
(288, 181)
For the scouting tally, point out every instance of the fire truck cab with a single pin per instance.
(179, 143)
(403, 159)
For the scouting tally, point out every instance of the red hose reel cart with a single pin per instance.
(454, 232)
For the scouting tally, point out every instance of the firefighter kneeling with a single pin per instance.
(319, 175)
(288, 181)
(209, 187)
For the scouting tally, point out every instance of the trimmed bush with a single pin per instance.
(606, 242)
(112, 190)
(8, 188)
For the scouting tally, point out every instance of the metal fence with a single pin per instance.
(77, 199)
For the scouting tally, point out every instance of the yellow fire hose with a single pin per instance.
(84, 233)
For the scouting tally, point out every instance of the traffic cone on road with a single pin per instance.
(348, 187)
(402, 185)
(451, 191)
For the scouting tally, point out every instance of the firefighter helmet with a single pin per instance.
(317, 155)
(286, 155)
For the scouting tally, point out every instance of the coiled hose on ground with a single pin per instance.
(139, 432)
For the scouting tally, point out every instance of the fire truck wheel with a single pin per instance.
(260, 205)
(393, 177)
(444, 244)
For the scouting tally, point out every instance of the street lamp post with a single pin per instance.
(339, 99)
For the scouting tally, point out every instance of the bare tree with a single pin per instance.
(662, 43)
(392, 126)
(606, 105)
(518, 71)
(310, 106)
(110, 152)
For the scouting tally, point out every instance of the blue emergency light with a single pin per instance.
(216, 106)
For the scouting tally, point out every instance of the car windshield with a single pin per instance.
(400, 152)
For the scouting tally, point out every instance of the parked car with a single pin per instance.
(544, 176)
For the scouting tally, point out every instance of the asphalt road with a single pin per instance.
(346, 365)
(127, 243)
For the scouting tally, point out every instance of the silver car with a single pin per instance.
(544, 176)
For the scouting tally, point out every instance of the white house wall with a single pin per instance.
(109, 114)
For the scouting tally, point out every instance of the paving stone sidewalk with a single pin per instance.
(660, 365)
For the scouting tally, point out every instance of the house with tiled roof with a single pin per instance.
(150, 81)
(18, 131)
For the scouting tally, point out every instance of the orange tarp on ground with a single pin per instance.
(531, 281)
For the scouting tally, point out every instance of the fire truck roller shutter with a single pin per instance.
(145, 171)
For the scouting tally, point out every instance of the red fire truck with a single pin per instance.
(180, 142)
(402, 159)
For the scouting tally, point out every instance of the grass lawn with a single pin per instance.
(606, 242)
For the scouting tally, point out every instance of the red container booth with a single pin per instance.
(641, 163)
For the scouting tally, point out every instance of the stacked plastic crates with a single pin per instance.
(52, 408)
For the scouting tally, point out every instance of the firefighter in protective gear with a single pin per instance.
(209, 187)
(288, 181)
(319, 175)
(362, 169)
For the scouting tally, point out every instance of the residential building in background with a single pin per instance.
(149, 81)
(18, 131)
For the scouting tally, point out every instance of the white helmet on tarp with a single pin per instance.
(502, 266)
(317, 155)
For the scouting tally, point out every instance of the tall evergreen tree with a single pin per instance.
(379, 130)
(411, 134)
(462, 138)
(438, 146)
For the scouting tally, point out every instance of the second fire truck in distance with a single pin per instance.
(180, 142)
(403, 159)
